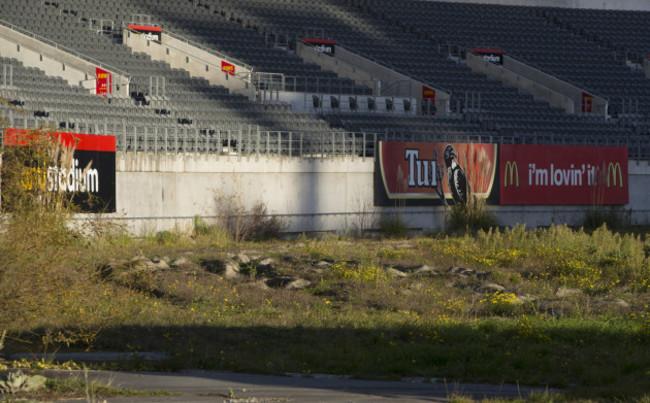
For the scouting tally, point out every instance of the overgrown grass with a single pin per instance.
(77, 388)
(574, 313)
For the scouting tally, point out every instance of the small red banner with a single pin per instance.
(587, 101)
(103, 83)
(563, 175)
(227, 67)
(428, 93)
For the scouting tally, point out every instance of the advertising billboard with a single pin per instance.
(149, 32)
(410, 173)
(325, 46)
(89, 177)
(490, 55)
(417, 174)
(563, 175)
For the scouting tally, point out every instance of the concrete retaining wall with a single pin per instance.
(162, 192)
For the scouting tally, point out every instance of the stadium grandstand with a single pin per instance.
(426, 41)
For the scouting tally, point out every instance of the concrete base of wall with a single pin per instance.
(165, 192)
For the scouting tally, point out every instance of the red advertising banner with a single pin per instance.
(428, 93)
(428, 100)
(563, 175)
(587, 100)
(227, 67)
(81, 142)
(434, 173)
(103, 83)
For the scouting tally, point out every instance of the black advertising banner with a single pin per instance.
(427, 174)
(151, 33)
(490, 55)
(325, 46)
(90, 176)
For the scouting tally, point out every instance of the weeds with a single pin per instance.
(393, 226)
(469, 217)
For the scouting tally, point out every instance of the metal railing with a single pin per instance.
(65, 49)
(209, 50)
(251, 142)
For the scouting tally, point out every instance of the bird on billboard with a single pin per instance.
(455, 176)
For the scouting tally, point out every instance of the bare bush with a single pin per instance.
(247, 224)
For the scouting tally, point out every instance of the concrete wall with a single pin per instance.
(197, 61)
(542, 86)
(162, 192)
(55, 62)
(383, 80)
(638, 5)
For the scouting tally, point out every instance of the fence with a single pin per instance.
(250, 141)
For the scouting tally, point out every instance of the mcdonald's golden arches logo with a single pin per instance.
(612, 170)
(511, 171)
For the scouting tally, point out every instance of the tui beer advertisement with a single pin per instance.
(418, 174)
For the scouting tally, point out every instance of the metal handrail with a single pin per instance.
(246, 142)
(212, 51)
(65, 49)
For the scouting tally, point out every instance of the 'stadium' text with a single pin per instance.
(72, 179)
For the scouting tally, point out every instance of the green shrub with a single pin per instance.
(614, 217)
(392, 226)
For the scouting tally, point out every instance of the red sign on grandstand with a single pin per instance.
(587, 101)
(227, 67)
(428, 93)
(563, 175)
(490, 55)
(103, 83)
(434, 173)
(90, 175)
(325, 46)
(149, 32)
(428, 100)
